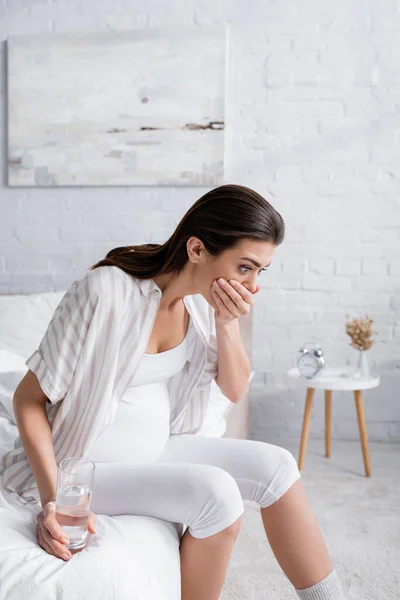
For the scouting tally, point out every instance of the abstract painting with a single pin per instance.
(142, 107)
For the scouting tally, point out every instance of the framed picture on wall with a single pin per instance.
(143, 107)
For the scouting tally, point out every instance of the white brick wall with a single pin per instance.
(312, 123)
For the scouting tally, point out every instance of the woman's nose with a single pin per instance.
(251, 286)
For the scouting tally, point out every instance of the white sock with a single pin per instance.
(327, 589)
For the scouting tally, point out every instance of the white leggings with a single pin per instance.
(197, 481)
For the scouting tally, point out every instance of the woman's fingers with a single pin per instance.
(52, 525)
(50, 534)
(41, 531)
(92, 522)
(43, 543)
(57, 548)
(52, 537)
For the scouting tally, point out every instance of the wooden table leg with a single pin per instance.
(363, 431)
(328, 422)
(306, 426)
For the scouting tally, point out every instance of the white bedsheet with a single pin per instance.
(130, 557)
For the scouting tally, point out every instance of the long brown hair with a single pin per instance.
(220, 219)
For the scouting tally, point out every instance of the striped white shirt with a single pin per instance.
(90, 353)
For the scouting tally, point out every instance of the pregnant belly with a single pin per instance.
(140, 429)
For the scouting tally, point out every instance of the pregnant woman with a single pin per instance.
(122, 376)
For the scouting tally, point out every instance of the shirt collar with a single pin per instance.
(149, 285)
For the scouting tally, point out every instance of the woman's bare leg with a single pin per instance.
(296, 539)
(204, 563)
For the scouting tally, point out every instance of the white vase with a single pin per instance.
(362, 366)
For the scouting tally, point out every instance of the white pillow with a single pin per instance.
(12, 370)
(9, 361)
(218, 409)
(24, 319)
(8, 384)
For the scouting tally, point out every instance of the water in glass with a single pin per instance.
(72, 512)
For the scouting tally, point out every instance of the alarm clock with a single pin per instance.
(311, 360)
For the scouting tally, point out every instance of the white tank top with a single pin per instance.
(140, 428)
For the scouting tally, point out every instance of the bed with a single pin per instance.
(130, 557)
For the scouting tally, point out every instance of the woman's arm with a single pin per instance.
(233, 362)
(35, 432)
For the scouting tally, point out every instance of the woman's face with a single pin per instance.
(234, 263)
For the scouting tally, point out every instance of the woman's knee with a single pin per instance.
(272, 469)
(289, 461)
(234, 529)
(219, 504)
(275, 459)
(222, 490)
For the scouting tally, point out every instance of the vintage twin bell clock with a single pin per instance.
(310, 360)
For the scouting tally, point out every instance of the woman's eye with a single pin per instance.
(249, 269)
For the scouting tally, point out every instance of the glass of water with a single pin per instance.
(75, 478)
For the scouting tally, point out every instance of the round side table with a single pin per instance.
(329, 380)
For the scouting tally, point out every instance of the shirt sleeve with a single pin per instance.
(211, 368)
(85, 307)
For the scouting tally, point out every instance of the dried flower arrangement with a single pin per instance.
(360, 332)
